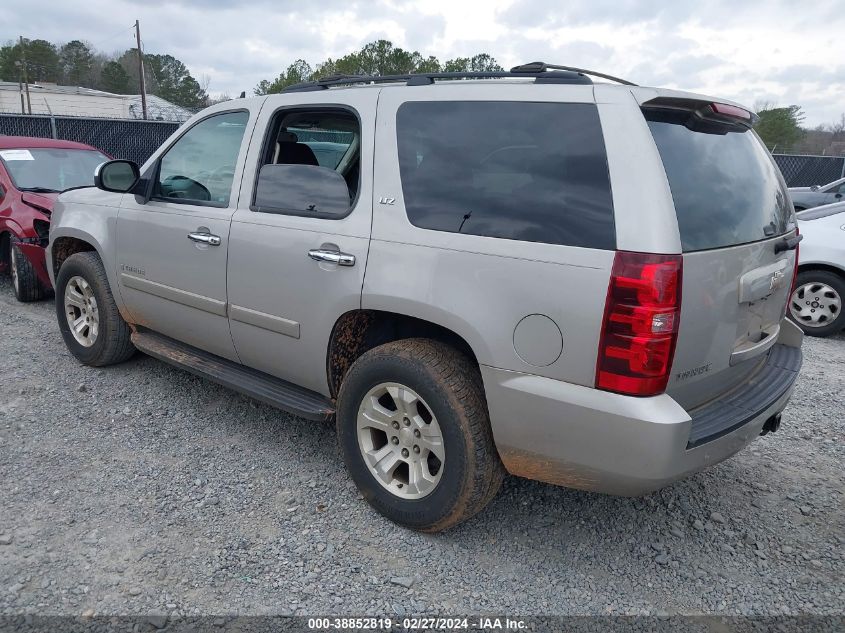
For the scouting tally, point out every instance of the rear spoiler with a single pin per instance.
(704, 110)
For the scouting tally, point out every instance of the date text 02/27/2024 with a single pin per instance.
(415, 624)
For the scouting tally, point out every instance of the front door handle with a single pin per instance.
(334, 257)
(205, 238)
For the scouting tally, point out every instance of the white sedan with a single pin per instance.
(817, 302)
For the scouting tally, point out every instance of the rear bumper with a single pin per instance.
(37, 255)
(580, 437)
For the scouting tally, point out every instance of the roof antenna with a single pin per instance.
(242, 95)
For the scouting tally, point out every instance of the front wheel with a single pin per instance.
(816, 302)
(415, 434)
(89, 320)
(24, 280)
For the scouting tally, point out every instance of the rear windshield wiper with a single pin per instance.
(39, 190)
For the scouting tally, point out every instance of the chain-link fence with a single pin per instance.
(806, 171)
(133, 140)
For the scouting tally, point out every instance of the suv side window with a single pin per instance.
(310, 165)
(200, 166)
(535, 172)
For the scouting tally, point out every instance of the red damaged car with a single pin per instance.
(33, 172)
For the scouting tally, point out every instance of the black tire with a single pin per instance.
(834, 281)
(25, 282)
(112, 344)
(451, 386)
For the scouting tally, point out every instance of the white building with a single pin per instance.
(48, 98)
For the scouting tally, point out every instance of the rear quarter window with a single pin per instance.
(535, 172)
(725, 185)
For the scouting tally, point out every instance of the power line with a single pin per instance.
(111, 37)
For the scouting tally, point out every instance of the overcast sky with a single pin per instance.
(778, 51)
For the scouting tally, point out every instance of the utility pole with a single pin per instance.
(20, 85)
(25, 77)
(141, 71)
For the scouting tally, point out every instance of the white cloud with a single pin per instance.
(774, 50)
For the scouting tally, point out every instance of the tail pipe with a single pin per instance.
(771, 425)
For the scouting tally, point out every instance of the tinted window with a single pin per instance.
(301, 190)
(523, 171)
(200, 167)
(726, 187)
(51, 169)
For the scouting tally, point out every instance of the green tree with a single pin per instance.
(42, 61)
(170, 80)
(780, 128)
(114, 78)
(377, 58)
(297, 72)
(77, 63)
(477, 63)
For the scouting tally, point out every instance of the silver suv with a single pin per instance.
(520, 272)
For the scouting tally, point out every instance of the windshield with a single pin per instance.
(49, 169)
(726, 187)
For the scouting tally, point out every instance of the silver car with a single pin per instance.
(522, 272)
(817, 195)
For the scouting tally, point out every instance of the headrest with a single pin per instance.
(287, 137)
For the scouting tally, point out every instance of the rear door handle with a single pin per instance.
(334, 257)
(205, 238)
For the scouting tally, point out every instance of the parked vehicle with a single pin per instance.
(33, 171)
(536, 275)
(817, 195)
(817, 301)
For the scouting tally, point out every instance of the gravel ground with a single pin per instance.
(141, 489)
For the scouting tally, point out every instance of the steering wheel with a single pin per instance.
(184, 188)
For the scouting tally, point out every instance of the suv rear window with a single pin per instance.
(726, 187)
(523, 171)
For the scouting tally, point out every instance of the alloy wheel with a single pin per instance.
(81, 311)
(400, 440)
(13, 270)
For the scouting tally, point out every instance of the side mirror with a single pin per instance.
(301, 190)
(814, 188)
(117, 176)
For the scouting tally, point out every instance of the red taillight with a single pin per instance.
(730, 110)
(640, 325)
(794, 275)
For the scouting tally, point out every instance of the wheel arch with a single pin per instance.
(64, 246)
(358, 331)
(70, 241)
(805, 267)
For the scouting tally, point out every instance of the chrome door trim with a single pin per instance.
(200, 302)
(204, 238)
(333, 257)
(264, 321)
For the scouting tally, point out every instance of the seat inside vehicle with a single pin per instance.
(323, 139)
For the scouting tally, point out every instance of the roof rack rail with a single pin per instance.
(543, 74)
(541, 67)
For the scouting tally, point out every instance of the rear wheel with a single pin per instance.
(415, 434)
(89, 320)
(816, 303)
(24, 280)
